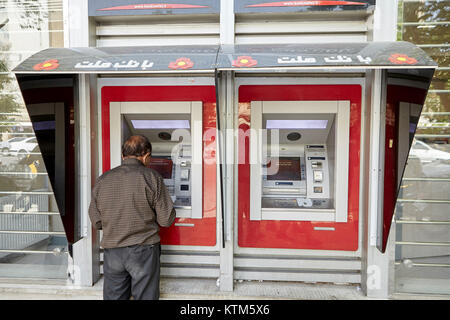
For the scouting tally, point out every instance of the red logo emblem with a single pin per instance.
(399, 58)
(46, 65)
(181, 63)
(244, 61)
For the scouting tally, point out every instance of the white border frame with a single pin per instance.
(305, 80)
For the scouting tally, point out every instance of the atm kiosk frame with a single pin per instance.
(345, 236)
(177, 96)
(256, 241)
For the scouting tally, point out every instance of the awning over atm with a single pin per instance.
(155, 59)
(121, 60)
(367, 55)
(408, 71)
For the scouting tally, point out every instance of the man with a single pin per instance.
(129, 203)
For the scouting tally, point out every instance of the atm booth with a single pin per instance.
(283, 161)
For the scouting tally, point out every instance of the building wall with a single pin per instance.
(422, 216)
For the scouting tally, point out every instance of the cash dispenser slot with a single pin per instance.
(293, 173)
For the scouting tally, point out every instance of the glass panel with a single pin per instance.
(436, 252)
(422, 211)
(423, 195)
(435, 121)
(436, 233)
(46, 258)
(429, 158)
(441, 74)
(429, 190)
(425, 11)
(437, 102)
(441, 56)
(32, 237)
(422, 279)
(427, 34)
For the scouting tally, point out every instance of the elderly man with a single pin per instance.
(129, 203)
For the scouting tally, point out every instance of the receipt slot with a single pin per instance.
(175, 131)
(299, 159)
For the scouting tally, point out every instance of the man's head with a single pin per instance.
(137, 147)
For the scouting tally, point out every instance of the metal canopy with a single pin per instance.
(367, 55)
(121, 60)
(176, 59)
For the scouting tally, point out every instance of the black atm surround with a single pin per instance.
(38, 91)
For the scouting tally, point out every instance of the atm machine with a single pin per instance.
(299, 167)
(175, 131)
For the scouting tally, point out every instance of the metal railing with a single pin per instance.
(422, 222)
(62, 233)
(415, 264)
(416, 243)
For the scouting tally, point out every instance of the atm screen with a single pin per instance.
(288, 169)
(163, 166)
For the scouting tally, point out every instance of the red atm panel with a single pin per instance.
(185, 231)
(300, 234)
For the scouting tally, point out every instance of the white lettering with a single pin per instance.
(338, 59)
(298, 59)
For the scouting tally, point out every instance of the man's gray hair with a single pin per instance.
(136, 146)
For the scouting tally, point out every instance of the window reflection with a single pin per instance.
(32, 238)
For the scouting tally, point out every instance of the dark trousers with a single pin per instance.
(132, 271)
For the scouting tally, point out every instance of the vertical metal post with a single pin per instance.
(77, 35)
(82, 249)
(378, 271)
(227, 22)
(226, 167)
(226, 100)
(219, 153)
(377, 265)
(385, 20)
(376, 179)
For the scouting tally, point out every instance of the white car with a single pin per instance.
(24, 146)
(6, 145)
(425, 153)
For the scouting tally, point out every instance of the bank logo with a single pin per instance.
(399, 58)
(244, 61)
(181, 63)
(47, 65)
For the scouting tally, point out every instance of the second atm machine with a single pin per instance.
(293, 165)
